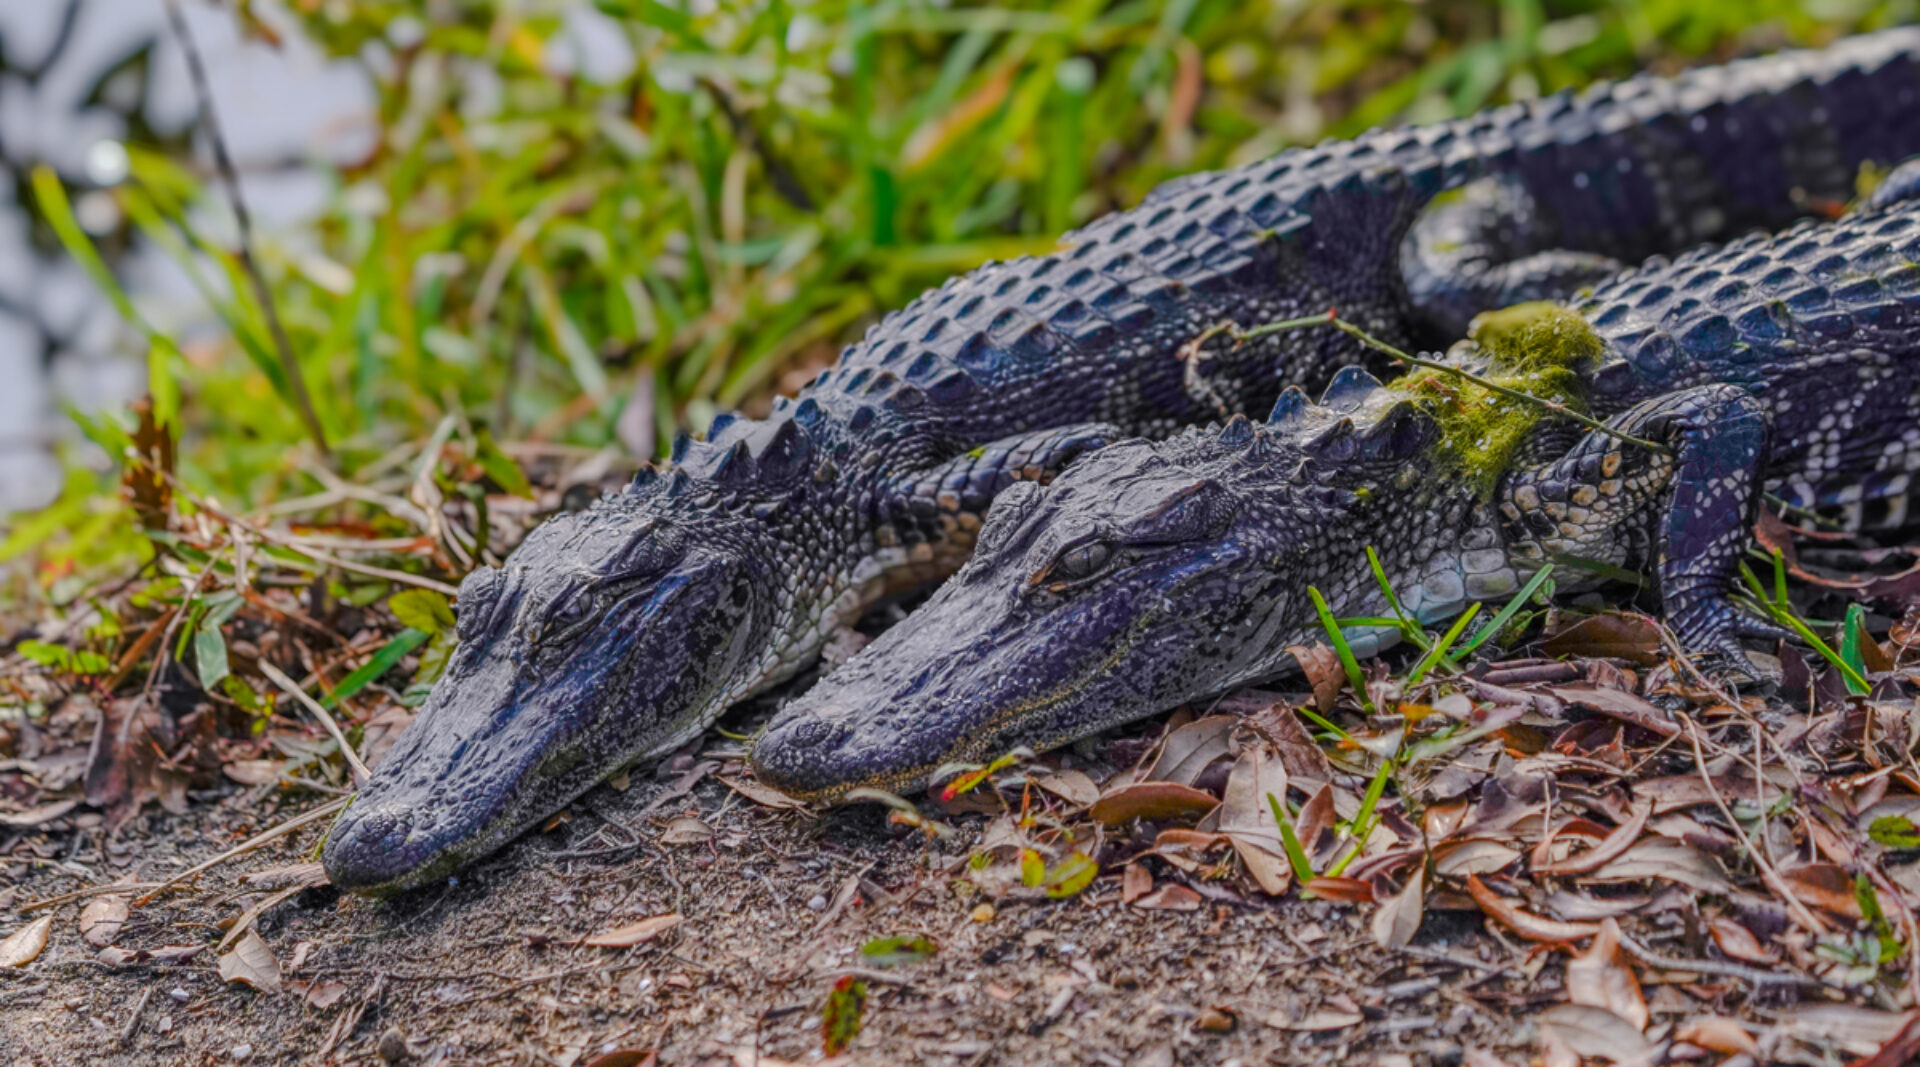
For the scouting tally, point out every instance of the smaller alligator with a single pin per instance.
(1150, 575)
(620, 632)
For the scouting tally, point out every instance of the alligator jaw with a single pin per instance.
(519, 726)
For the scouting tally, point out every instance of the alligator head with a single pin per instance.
(612, 635)
(1146, 576)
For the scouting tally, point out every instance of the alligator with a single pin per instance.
(1155, 574)
(618, 633)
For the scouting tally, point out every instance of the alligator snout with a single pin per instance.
(376, 846)
(802, 756)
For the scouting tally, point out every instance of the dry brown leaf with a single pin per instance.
(1861, 1031)
(35, 817)
(1615, 843)
(1594, 1032)
(686, 830)
(1135, 882)
(24, 945)
(252, 962)
(764, 795)
(1316, 818)
(1246, 818)
(1398, 917)
(321, 993)
(1667, 861)
(1321, 665)
(1526, 924)
(1298, 751)
(1719, 1033)
(1072, 786)
(1186, 849)
(1823, 885)
(1601, 977)
(1476, 855)
(634, 933)
(253, 771)
(1738, 942)
(102, 918)
(1152, 800)
(1618, 704)
(1169, 897)
(1189, 749)
(1613, 635)
(628, 1057)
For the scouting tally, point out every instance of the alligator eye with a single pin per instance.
(567, 619)
(1082, 561)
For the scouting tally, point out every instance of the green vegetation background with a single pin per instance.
(769, 178)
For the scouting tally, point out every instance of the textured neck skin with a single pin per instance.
(872, 468)
(1155, 574)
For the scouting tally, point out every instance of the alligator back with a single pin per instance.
(1091, 331)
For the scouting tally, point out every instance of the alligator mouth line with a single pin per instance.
(893, 781)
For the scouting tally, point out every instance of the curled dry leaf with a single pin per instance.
(1738, 942)
(321, 993)
(24, 945)
(1398, 917)
(634, 933)
(1526, 924)
(1189, 749)
(1613, 635)
(1169, 897)
(1594, 1032)
(1321, 665)
(1477, 855)
(1615, 843)
(1072, 786)
(1246, 818)
(1720, 1034)
(1666, 861)
(686, 830)
(102, 918)
(629, 1057)
(252, 962)
(1601, 977)
(35, 817)
(1135, 882)
(764, 795)
(1152, 800)
(1823, 885)
(1319, 1019)
(1186, 849)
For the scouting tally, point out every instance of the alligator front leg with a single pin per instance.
(967, 483)
(1685, 513)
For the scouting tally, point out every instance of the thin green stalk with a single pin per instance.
(1438, 653)
(1363, 819)
(1408, 626)
(1780, 613)
(1297, 856)
(1505, 614)
(1340, 647)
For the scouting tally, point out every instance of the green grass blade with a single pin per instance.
(1297, 856)
(1341, 648)
(1363, 819)
(380, 663)
(1438, 653)
(1408, 626)
(1505, 614)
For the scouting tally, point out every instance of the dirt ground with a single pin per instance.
(775, 905)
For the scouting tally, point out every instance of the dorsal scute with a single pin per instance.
(1350, 389)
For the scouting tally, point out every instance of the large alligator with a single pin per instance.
(620, 632)
(1157, 573)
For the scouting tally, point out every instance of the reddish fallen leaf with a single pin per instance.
(102, 918)
(1186, 849)
(1135, 882)
(1614, 845)
(841, 1020)
(1169, 897)
(1398, 917)
(1345, 890)
(23, 946)
(1477, 855)
(1613, 635)
(1738, 942)
(1315, 821)
(1154, 801)
(321, 993)
(1321, 665)
(1601, 977)
(634, 933)
(1823, 885)
(1719, 1034)
(250, 961)
(1620, 705)
(1667, 861)
(1527, 925)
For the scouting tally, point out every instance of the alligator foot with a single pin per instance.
(1901, 184)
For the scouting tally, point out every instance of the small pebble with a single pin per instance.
(818, 903)
(180, 995)
(983, 913)
(393, 1045)
(241, 1052)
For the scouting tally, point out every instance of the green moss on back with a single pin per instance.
(1543, 349)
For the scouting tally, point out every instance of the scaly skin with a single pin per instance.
(1155, 574)
(619, 633)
